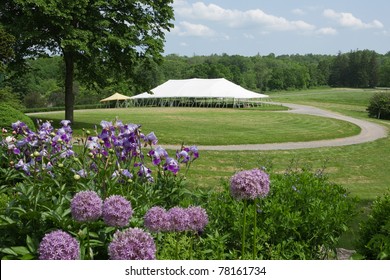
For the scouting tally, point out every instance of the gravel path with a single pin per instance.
(369, 132)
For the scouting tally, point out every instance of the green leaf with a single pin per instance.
(4, 220)
(31, 244)
(8, 251)
(20, 250)
(28, 257)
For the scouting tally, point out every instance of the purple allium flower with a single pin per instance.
(59, 245)
(171, 165)
(132, 244)
(117, 211)
(198, 218)
(249, 184)
(178, 219)
(86, 206)
(156, 219)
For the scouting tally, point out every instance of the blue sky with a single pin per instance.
(250, 27)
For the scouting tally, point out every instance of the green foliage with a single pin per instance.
(379, 106)
(374, 233)
(6, 50)
(302, 218)
(103, 38)
(44, 82)
(9, 115)
(10, 98)
(358, 69)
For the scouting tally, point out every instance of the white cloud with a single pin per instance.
(326, 31)
(349, 20)
(237, 18)
(186, 28)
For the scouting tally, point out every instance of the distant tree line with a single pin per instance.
(42, 84)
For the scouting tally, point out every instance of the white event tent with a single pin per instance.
(198, 93)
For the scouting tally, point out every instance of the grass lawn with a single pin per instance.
(206, 126)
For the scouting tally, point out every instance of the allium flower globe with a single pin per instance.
(132, 244)
(59, 245)
(156, 219)
(178, 219)
(198, 218)
(86, 206)
(117, 211)
(249, 184)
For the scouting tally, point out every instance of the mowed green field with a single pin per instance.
(206, 126)
(363, 169)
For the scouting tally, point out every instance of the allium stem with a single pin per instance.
(177, 247)
(191, 245)
(255, 231)
(244, 231)
(89, 249)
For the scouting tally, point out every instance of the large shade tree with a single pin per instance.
(99, 38)
(6, 50)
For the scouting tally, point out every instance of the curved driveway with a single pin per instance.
(369, 132)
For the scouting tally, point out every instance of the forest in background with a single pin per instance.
(40, 84)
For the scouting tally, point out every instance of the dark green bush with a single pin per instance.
(9, 115)
(374, 234)
(379, 106)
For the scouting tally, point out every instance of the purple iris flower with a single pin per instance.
(194, 151)
(65, 122)
(106, 125)
(144, 172)
(20, 127)
(158, 155)
(171, 165)
(151, 138)
(23, 166)
(183, 156)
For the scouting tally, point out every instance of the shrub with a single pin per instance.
(302, 217)
(9, 115)
(10, 98)
(379, 106)
(374, 233)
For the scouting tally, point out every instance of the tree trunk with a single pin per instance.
(69, 94)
